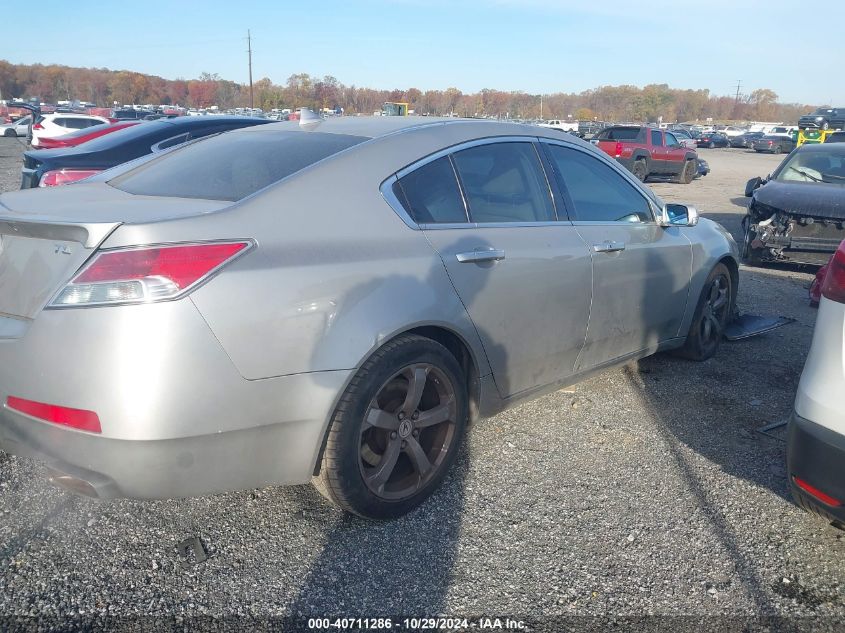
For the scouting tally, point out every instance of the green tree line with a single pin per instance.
(51, 83)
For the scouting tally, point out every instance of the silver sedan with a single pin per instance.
(16, 128)
(332, 301)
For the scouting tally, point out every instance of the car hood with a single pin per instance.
(803, 198)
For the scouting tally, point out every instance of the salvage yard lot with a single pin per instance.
(645, 490)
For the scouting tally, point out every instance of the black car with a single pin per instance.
(798, 213)
(129, 114)
(745, 140)
(836, 137)
(823, 119)
(61, 166)
(774, 144)
(712, 139)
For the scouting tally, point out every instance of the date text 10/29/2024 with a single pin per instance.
(416, 624)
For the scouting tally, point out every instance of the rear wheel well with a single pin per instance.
(460, 350)
(733, 268)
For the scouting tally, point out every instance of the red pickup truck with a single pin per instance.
(647, 151)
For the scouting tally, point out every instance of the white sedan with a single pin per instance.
(816, 443)
(59, 124)
(16, 128)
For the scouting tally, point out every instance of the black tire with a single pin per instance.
(825, 125)
(777, 149)
(711, 145)
(714, 308)
(688, 173)
(9, 132)
(640, 169)
(353, 443)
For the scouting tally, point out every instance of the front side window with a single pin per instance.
(671, 141)
(504, 182)
(431, 195)
(598, 192)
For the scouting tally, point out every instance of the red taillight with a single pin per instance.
(74, 418)
(143, 275)
(816, 493)
(617, 151)
(833, 286)
(37, 126)
(65, 176)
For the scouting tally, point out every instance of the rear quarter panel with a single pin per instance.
(336, 272)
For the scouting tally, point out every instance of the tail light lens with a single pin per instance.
(65, 176)
(617, 151)
(37, 126)
(833, 286)
(147, 274)
(76, 418)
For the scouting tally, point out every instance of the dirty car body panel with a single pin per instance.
(231, 382)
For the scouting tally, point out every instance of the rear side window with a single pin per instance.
(232, 166)
(504, 182)
(620, 134)
(430, 194)
(598, 192)
(656, 138)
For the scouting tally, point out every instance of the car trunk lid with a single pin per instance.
(46, 236)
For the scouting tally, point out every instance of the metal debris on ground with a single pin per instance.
(186, 547)
(748, 325)
(767, 430)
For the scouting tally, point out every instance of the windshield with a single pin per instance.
(121, 136)
(816, 166)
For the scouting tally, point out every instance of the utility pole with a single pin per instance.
(249, 52)
(738, 86)
(541, 107)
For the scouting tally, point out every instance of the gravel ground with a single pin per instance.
(643, 491)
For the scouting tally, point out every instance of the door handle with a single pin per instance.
(486, 255)
(609, 247)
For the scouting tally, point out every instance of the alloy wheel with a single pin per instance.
(715, 312)
(407, 432)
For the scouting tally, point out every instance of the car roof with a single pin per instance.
(378, 126)
(73, 115)
(832, 148)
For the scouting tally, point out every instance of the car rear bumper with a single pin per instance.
(816, 456)
(177, 418)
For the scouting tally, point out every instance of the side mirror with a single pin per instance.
(752, 185)
(679, 215)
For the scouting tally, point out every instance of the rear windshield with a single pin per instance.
(620, 134)
(232, 166)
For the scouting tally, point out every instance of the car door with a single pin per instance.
(658, 152)
(523, 275)
(676, 154)
(641, 271)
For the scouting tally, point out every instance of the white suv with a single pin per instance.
(816, 442)
(59, 124)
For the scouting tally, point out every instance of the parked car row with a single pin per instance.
(119, 143)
